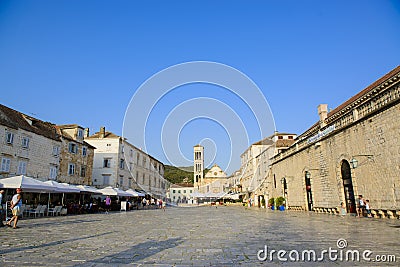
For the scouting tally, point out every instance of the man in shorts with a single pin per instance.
(16, 204)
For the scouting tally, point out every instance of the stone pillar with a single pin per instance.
(102, 132)
(323, 114)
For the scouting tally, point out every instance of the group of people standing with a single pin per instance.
(363, 206)
(148, 202)
(145, 202)
(16, 204)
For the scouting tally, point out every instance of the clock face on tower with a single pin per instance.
(215, 173)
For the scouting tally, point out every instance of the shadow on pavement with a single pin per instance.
(54, 243)
(136, 253)
(41, 223)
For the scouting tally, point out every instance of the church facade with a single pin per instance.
(214, 181)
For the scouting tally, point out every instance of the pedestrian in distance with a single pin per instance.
(342, 209)
(368, 208)
(108, 204)
(1, 209)
(144, 202)
(163, 204)
(360, 206)
(16, 204)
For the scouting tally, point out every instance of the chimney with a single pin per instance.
(323, 114)
(86, 134)
(102, 132)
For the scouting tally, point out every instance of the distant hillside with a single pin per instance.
(188, 169)
(176, 175)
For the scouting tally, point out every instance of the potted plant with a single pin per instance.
(271, 203)
(280, 201)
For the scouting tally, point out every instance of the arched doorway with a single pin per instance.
(260, 201)
(348, 187)
(308, 190)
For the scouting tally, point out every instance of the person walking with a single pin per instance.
(16, 204)
(360, 206)
(108, 204)
(1, 209)
(163, 204)
(144, 202)
(343, 209)
(368, 208)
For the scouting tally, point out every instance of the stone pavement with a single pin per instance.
(199, 236)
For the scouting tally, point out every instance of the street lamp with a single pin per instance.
(308, 173)
(354, 161)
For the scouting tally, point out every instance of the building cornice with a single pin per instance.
(380, 95)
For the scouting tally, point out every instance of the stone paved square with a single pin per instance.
(199, 236)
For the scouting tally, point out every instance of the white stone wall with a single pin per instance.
(105, 148)
(180, 192)
(140, 170)
(38, 156)
(252, 172)
(371, 136)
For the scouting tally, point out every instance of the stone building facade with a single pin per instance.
(255, 166)
(250, 179)
(215, 180)
(76, 161)
(28, 146)
(352, 150)
(181, 193)
(118, 163)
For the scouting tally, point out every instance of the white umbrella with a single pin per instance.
(132, 192)
(135, 193)
(221, 194)
(62, 187)
(108, 191)
(72, 187)
(215, 195)
(122, 193)
(197, 194)
(27, 184)
(89, 189)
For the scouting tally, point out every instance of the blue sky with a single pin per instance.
(82, 61)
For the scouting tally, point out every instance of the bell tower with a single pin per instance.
(198, 166)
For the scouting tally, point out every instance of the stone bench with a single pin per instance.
(317, 210)
(381, 213)
(295, 208)
(391, 214)
(374, 214)
(326, 210)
